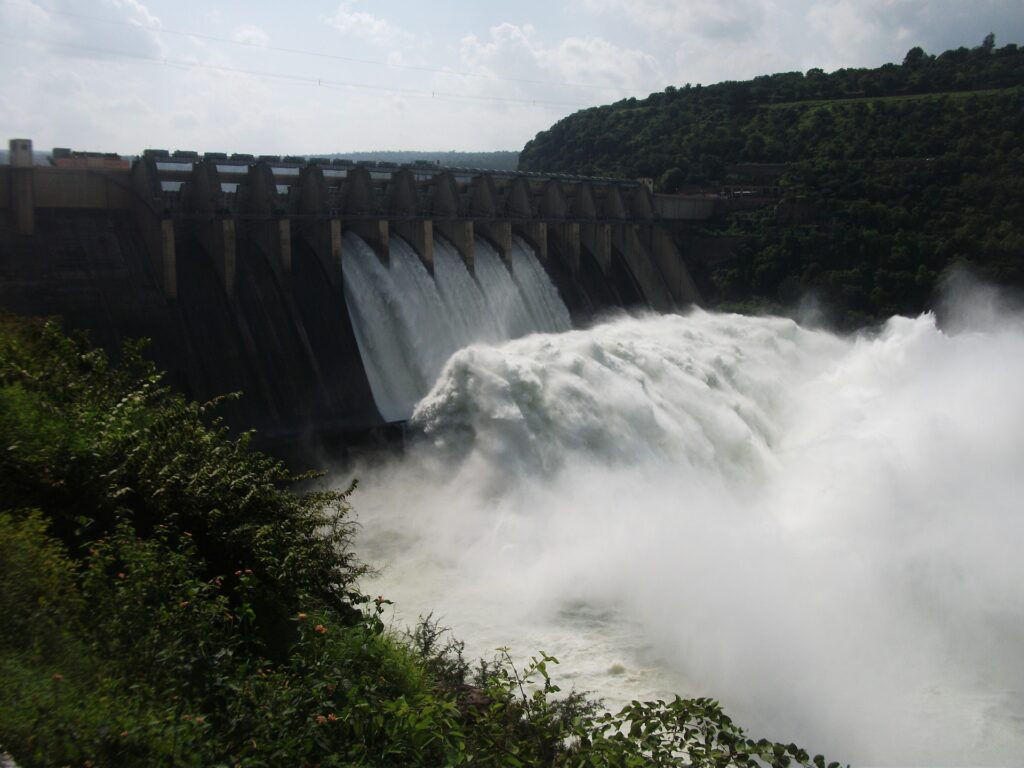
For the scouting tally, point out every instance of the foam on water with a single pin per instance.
(823, 533)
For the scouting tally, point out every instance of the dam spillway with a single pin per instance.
(257, 276)
(408, 322)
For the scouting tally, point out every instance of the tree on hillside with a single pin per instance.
(915, 57)
(898, 172)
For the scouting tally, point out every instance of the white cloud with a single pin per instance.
(706, 41)
(136, 11)
(373, 29)
(250, 34)
(712, 40)
(78, 29)
(69, 84)
(513, 83)
(582, 69)
(718, 19)
(847, 27)
(870, 32)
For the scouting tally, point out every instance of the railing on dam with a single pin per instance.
(288, 165)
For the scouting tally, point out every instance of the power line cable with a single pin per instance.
(300, 79)
(315, 54)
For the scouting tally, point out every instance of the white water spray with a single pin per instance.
(823, 533)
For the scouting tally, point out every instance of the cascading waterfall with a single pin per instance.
(540, 297)
(464, 301)
(822, 532)
(503, 295)
(407, 323)
(386, 328)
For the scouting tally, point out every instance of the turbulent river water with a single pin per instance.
(822, 532)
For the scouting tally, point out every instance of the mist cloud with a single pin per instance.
(822, 532)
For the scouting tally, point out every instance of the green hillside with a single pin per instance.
(886, 176)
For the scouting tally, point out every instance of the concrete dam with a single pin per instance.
(328, 292)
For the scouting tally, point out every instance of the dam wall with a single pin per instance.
(233, 267)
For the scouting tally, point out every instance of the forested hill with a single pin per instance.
(778, 118)
(897, 173)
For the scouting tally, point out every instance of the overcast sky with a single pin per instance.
(312, 76)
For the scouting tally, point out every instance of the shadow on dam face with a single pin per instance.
(241, 288)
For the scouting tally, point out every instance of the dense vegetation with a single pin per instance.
(494, 161)
(169, 599)
(889, 176)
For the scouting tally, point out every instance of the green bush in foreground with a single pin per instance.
(168, 599)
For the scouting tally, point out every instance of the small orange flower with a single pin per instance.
(301, 617)
(124, 734)
(332, 717)
(321, 629)
(238, 573)
(120, 575)
(320, 719)
(57, 677)
(183, 604)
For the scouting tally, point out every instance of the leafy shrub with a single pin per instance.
(167, 598)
